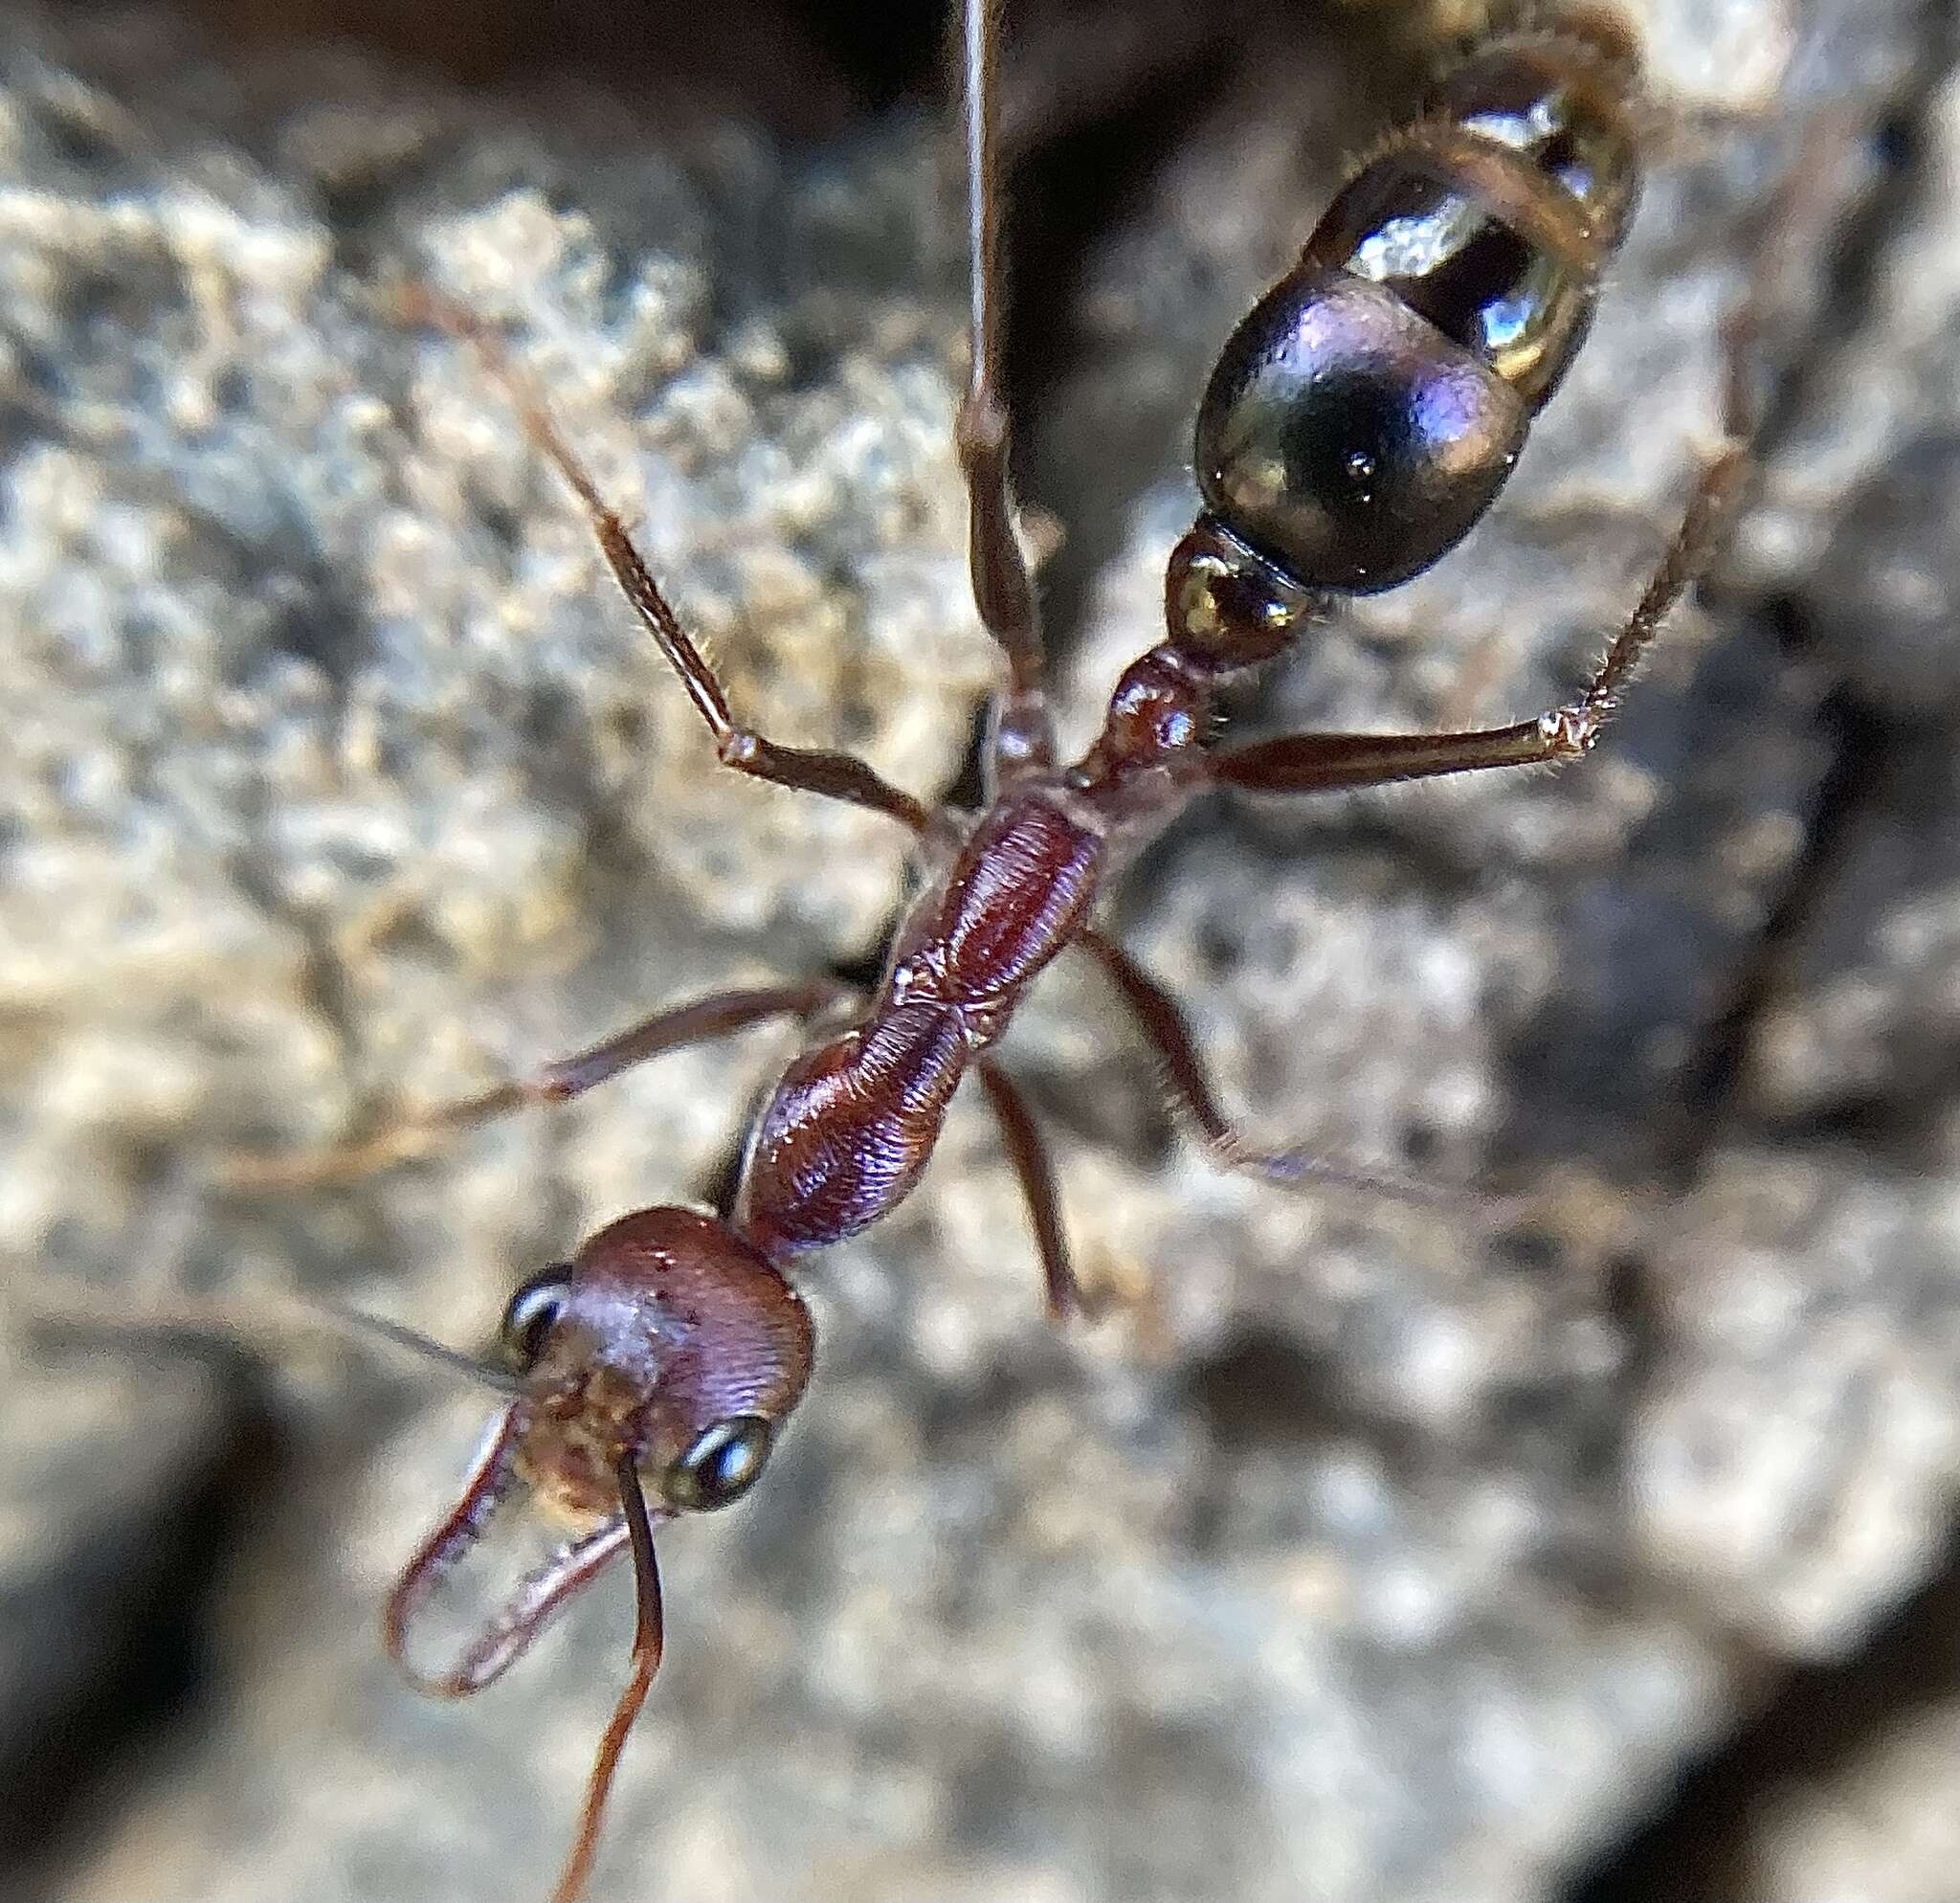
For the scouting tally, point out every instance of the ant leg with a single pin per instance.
(1022, 735)
(1029, 1154)
(1189, 1095)
(718, 1014)
(809, 770)
(1321, 762)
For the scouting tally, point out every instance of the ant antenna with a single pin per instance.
(355, 1321)
(81, 1310)
(648, 1640)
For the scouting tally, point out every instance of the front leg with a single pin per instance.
(830, 774)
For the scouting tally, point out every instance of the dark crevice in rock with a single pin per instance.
(1813, 1720)
(1859, 744)
(1857, 257)
(1262, 1389)
(1067, 193)
(142, 1597)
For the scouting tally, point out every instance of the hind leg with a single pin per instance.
(718, 1014)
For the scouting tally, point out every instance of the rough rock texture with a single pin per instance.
(1360, 1555)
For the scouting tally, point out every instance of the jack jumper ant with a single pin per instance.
(1360, 420)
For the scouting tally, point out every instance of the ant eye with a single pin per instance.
(533, 1311)
(721, 1465)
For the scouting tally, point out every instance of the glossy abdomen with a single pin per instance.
(1371, 404)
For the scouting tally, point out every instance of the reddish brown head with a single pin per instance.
(651, 1375)
(669, 1341)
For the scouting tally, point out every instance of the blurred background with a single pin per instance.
(1355, 1553)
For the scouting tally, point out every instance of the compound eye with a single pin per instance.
(721, 1465)
(533, 1312)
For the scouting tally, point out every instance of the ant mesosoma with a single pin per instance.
(1360, 420)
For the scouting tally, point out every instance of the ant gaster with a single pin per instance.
(1360, 420)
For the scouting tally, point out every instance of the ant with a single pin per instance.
(1361, 419)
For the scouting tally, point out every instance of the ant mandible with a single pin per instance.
(1360, 420)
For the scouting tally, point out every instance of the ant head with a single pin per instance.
(670, 1343)
(649, 1376)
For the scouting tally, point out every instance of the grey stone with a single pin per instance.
(122, 1463)
(1792, 1457)
(1358, 1555)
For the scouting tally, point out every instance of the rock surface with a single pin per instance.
(1359, 1555)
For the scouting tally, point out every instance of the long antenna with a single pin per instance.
(1003, 590)
(647, 1643)
(379, 1328)
(82, 1311)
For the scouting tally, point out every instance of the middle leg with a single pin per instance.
(1322, 762)
(834, 776)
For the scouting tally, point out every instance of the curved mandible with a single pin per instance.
(530, 1607)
